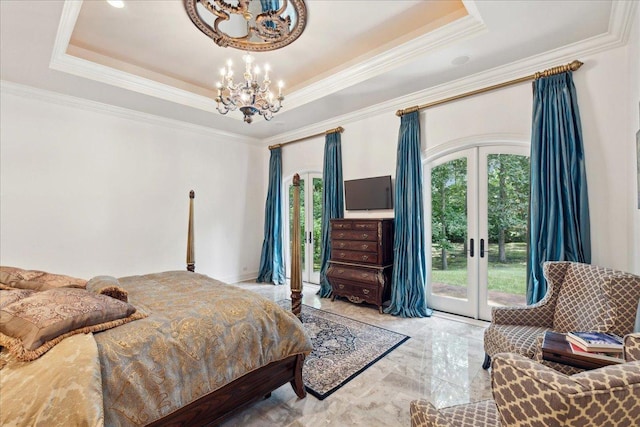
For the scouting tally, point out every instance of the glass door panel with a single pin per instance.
(310, 225)
(451, 274)
(504, 213)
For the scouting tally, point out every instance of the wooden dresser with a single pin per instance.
(361, 259)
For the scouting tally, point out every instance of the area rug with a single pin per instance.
(342, 348)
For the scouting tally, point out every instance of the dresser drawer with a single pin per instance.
(354, 235)
(354, 256)
(341, 225)
(366, 225)
(355, 274)
(364, 246)
(355, 293)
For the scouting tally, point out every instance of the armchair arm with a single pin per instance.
(632, 347)
(424, 414)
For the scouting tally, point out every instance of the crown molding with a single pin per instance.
(84, 104)
(620, 23)
(458, 30)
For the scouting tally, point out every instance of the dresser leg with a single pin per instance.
(380, 309)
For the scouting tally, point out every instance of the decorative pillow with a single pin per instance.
(35, 324)
(10, 296)
(17, 278)
(108, 285)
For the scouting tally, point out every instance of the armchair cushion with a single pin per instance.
(513, 339)
(583, 300)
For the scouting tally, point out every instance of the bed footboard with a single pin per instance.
(219, 405)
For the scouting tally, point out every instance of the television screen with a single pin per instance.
(368, 194)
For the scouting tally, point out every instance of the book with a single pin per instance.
(596, 341)
(610, 356)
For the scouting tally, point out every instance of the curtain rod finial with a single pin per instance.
(575, 65)
(192, 194)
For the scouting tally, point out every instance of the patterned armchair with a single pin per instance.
(527, 393)
(580, 297)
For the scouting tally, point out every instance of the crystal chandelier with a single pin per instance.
(249, 96)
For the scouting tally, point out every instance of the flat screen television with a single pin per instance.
(368, 193)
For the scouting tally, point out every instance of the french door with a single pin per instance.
(310, 225)
(477, 202)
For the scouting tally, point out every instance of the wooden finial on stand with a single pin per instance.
(296, 259)
(191, 254)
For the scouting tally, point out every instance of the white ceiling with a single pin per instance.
(149, 57)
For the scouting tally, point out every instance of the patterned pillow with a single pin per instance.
(11, 296)
(33, 325)
(17, 278)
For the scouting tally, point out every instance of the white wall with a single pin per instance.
(86, 192)
(633, 55)
(369, 145)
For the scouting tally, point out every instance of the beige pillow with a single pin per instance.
(33, 325)
(108, 285)
(17, 278)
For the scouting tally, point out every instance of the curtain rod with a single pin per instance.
(339, 129)
(573, 66)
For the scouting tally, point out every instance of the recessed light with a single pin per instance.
(460, 60)
(116, 3)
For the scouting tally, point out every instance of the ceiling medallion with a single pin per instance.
(249, 25)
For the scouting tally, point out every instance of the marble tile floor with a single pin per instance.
(440, 362)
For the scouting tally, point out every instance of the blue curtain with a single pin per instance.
(408, 297)
(559, 211)
(272, 257)
(332, 202)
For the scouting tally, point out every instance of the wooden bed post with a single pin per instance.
(296, 270)
(191, 257)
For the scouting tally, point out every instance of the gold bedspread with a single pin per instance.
(61, 388)
(200, 335)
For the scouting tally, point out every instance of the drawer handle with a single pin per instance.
(341, 286)
(365, 246)
(365, 257)
(340, 234)
(341, 244)
(365, 291)
(364, 275)
(365, 235)
(361, 226)
(342, 254)
(340, 271)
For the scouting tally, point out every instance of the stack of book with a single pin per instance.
(599, 345)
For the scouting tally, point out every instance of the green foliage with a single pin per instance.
(508, 193)
(508, 198)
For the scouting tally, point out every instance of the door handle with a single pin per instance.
(481, 248)
(471, 253)
(310, 237)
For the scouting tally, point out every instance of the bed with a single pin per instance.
(199, 351)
